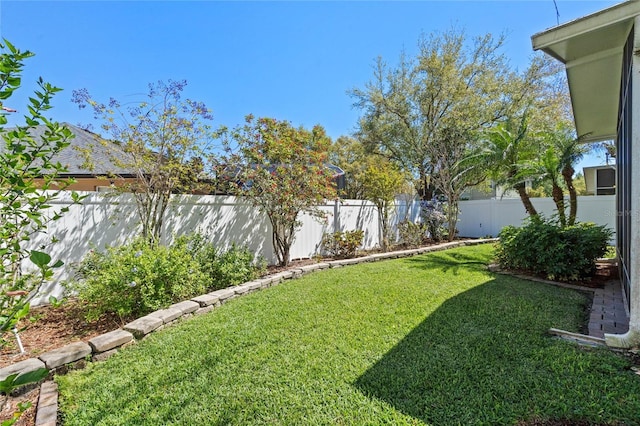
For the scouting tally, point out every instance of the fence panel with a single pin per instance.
(480, 218)
(106, 221)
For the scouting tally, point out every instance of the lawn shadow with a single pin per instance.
(478, 361)
(449, 261)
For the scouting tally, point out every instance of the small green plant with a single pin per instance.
(22, 407)
(234, 266)
(543, 247)
(55, 302)
(16, 380)
(136, 279)
(412, 234)
(342, 244)
(30, 179)
(611, 253)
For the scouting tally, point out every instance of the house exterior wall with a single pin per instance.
(628, 145)
(624, 168)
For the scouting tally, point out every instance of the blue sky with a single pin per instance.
(287, 60)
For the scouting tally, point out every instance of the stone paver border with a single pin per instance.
(102, 347)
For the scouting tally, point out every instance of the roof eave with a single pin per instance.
(591, 49)
(601, 19)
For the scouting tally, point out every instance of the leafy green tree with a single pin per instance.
(579, 184)
(283, 171)
(350, 155)
(27, 169)
(382, 181)
(457, 164)
(451, 84)
(161, 141)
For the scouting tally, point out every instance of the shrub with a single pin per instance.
(342, 244)
(223, 268)
(412, 234)
(543, 247)
(136, 279)
(434, 217)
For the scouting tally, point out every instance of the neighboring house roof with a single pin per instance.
(100, 151)
(591, 48)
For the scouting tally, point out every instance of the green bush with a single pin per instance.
(136, 279)
(223, 268)
(413, 234)
(543, 247)
(342, 244)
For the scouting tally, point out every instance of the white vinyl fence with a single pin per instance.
(106, 221)
(481, 218)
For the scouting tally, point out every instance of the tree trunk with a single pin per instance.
(558, 199)
(383, 219)
(522, 191)
(452, 219)
(425, 190)
(567, 174)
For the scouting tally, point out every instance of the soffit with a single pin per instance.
(591, 49)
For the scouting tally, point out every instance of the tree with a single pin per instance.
(381, 182)
(551, 171)
(451, 84)
(510, 152)
(27, 169)
(568, 150)
(282, 171)
(514, 148)
(162, 140)
(457, 165)
(349, 154)
(579, 184)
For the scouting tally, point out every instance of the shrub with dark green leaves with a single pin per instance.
(234, 266)
(543, 247)
(342, 244)
(136, 279)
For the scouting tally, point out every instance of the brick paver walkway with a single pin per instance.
(608, 312)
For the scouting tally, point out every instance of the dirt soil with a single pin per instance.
(51, 327)
(47, 328)
(10, 406)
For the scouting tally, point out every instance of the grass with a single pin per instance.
(433, 339)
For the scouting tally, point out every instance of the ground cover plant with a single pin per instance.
(433, 339)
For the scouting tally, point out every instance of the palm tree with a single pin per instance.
(569, 150)
(510, 153)
(550, 169)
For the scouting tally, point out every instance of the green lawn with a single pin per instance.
(432, 339)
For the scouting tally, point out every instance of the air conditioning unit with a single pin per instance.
(600, 180)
